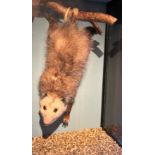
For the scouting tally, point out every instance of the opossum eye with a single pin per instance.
(44, 107)
(55, 110)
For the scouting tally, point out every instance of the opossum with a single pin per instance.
(68, 48)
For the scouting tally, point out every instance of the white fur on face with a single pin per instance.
(51, 108)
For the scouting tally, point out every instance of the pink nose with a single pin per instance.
(48, 121)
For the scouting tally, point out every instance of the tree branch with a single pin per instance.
(88, 16)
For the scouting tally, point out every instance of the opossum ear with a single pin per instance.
(67, 100)
(43, 95)
(91, 31)
(63, 100)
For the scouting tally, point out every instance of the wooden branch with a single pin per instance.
(88, 16)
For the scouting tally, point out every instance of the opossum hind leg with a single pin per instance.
(66, 117)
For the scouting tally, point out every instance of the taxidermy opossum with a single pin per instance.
(68, 48)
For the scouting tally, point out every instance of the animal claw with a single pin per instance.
(65, 124)
(66, 120)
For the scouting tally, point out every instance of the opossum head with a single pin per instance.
(51, 108)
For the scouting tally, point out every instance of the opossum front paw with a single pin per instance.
(65, 121)
(65, 124)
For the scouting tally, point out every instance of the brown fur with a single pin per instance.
(67, 52)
